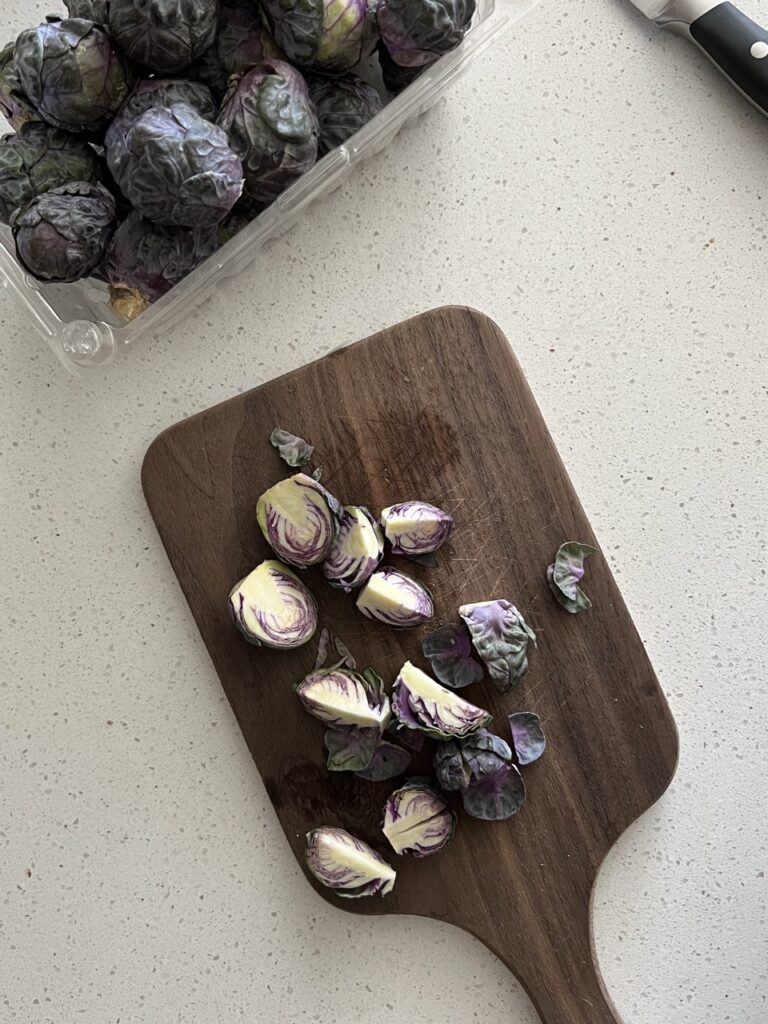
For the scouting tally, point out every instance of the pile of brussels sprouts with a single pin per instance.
(148, 134)
(373, 733)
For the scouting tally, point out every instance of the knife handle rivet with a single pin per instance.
(759, 50)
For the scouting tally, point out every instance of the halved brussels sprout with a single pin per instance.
(271, 606)
(415, 528)
(299, 518)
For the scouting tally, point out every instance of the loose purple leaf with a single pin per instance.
(350, 748)
(527, 736)
(449, 652)
(500, 636)
(495, 795)
(387, 761)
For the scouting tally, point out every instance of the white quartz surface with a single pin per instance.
(597, 189)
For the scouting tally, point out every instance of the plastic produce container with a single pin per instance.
(76, 319)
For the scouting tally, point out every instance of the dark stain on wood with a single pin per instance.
(435, 408)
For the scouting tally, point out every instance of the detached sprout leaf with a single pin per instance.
(395, 599)
(500, 635)
(350, 748)
(346, 864)
(323, 645)
(481, 767)
(495, 795)
(299, 518)
(387, 762)
(451, 769)
(565, 574)
(415, 528)
(356, 550)
(271, 606)
(417, 820)
(293, 450)
(449, 652)
(420, 703)
(340, 697)
(346, 658)
(317, 474)
(527, 736)
(406, 737)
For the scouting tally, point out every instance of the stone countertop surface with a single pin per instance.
(595, 187)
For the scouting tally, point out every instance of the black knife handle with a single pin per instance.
(738, 47)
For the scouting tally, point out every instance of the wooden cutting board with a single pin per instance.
(436, 408)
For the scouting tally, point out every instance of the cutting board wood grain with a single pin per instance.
(436, 408)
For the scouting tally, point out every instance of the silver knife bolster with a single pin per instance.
(677, 15)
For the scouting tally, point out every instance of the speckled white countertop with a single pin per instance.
(593, 186)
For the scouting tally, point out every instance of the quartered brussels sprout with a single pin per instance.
(333, 35)
(356, 550)
(164, 35)
(418, 702)
(176, 168)
(417, 820)
(387, 762)
(450, 653)
(342, 697)
(271, 606)
(395, 599)
(347, 865)
(272, 126)
(417, 32)
(299, 518)
(14, 106)
(62, 235)
(343, 106)
(480, 766)
(415, 528)
(145, 260)
(565, 574)
(527, 736)
(39, 158)
(72, 74)
(500, 636)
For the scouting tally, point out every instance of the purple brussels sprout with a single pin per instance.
(72, 74)
(394, 77)
(145, 260)
(343, 106)
(417, 32)
(481, 768)
(395, 599)
(500, 636)
(450, 653)
(406, 737)
(293, 450)
(418, 702)
(93, 10)
(415, 528)
(272, 126)
(345, 658)
(528, 737)
(39, 158)
(299, 518)
(164, 35)
(417, 820)
(332, 35)
(209, 70)
(243, 41)
(158, 92)
(350, 747)
(565, 574)
(62, 235)
(273, 608)
(14, 106)
(356, 550)
(176, 168)
(387, 762)
(347, 865)
(342, 697)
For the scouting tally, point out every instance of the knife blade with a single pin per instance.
(736, 45)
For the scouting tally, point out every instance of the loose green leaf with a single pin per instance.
(350, 749)
(293, 450)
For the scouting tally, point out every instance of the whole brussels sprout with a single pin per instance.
(272, 126)
(62, 235)
(14, 106)
(394, 77)
(243, 41)
(40, 158)
(165, 35)
(72, 74)
(145, 260)
(332, 35)
(417, 32)
(209, 70)
(343, 106)
(93, 10)
(176, 168)
(159, 92)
